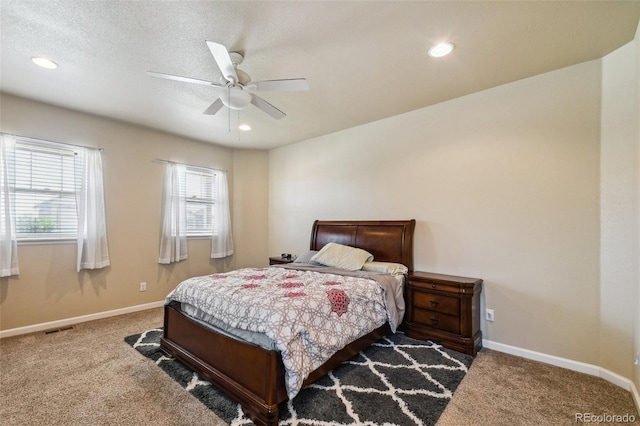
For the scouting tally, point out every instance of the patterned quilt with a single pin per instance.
(309, 314)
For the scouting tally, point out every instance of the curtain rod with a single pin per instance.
(160, 160)
(62, 143)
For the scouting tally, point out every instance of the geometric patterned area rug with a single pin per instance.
(398, 380)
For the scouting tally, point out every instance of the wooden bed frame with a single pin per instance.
(254, 376)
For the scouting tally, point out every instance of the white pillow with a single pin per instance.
(343, 257)
(306, 256)
(385, 268)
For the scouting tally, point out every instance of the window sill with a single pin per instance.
(35, 242)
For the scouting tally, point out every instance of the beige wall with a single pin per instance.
(636, 312)
(49, 288)
(637, 308)
(619, 213)
(504, 185)
(250, 200)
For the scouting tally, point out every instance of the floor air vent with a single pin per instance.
(56, 330)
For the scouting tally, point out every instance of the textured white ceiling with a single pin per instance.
(364, 60)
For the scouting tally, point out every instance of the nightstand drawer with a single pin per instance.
(435, 286)
(436, 302)
(437, 320)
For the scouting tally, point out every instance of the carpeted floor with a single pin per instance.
(505, 390)
(90, 376)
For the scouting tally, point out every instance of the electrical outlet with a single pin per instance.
(143, 286)
(489, 315)
(636, 361)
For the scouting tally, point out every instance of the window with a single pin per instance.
(195, 204)
(45, 198)
(200, 199)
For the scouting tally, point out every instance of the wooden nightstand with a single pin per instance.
(277, 260)
(445, 309)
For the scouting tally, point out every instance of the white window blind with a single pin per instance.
(45, 200)
(200, 201)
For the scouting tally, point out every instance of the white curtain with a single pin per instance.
(221, 242)
(173, 242)
(8, 240)
(93, 252)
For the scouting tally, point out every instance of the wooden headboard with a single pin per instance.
(386, 240)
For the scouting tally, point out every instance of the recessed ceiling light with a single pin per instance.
(244, 127)
(440, 50)
(44, 62)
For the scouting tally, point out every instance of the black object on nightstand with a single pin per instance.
(445, 309)
(279, 260)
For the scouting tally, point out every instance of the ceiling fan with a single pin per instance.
(235, 85)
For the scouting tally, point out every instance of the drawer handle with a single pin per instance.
(433, 286)
(434, 321)
(434, 304)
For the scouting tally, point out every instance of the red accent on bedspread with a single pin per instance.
(339, 301)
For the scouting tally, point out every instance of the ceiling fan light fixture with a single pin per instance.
(441, 49)
(44, 62)
(244, 127)
(235, 98)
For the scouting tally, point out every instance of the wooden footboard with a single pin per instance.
(251, 375)
(248, 373)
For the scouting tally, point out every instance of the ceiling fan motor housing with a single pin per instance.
(242, 80)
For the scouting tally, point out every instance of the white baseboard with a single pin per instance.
(569, 364)
(75, 320)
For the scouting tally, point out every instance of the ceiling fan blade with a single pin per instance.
(183, 79)
(285, 85)
(221, 55)
(214, 107)
(267, 107)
